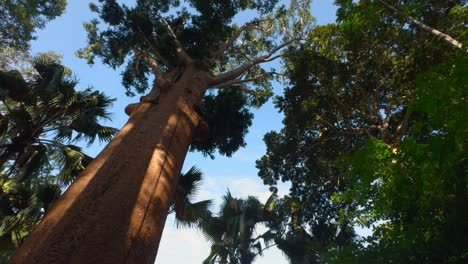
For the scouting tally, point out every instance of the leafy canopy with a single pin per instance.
(19, 19)
(353, 87)
(154, 40)
(133, 32)
(419, 189)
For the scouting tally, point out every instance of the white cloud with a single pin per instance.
(181, 245)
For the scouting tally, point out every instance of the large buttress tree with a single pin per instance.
(115, 211)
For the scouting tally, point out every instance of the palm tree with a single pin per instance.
(40, 118)
(300, 241)
(188, 213)
(231, 233)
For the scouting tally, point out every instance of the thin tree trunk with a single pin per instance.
(433, 31)
(115, 212)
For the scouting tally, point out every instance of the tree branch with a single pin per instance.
(242, 88)
(156, 53)
(235, 73)
(181, 53)
(351, 115)
(447, 38)
(152, 62)
(384, 122)
(401, 129)
(228, 43)
(261, 251)
(238, 81)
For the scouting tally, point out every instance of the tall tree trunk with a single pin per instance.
(447, 38)
(115, 212)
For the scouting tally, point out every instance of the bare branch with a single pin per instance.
(388, 115)
(235, 73)
(272, 58)
(181, 53)
(274, 245)
(447, 38)
(239, 81)
(242, 88)
(228, 43)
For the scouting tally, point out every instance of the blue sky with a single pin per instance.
(66, 35)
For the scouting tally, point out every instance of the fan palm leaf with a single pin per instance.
(188, 213)
(39, 119)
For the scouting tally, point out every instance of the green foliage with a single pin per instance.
(21, 206)
(418, 190)
(200, 26)
(40, 119)
(228, 122)
(351, 120)
(20, 19)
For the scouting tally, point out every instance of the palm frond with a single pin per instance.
(47, 194)
(213, 229)
(39, 117)
(71, 162)
(89, 129)
(191, 181)
(193, 214)
(218, 251)
(63, 133)
(13, 86)
(105, 133)
(29, 162)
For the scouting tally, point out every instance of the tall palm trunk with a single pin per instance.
(115, 212)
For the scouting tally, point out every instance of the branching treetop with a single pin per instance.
(156, 38)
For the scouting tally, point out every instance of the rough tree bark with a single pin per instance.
(91, 223)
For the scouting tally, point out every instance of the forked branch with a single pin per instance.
(239, 81)
(235, 73)
(228, 43)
